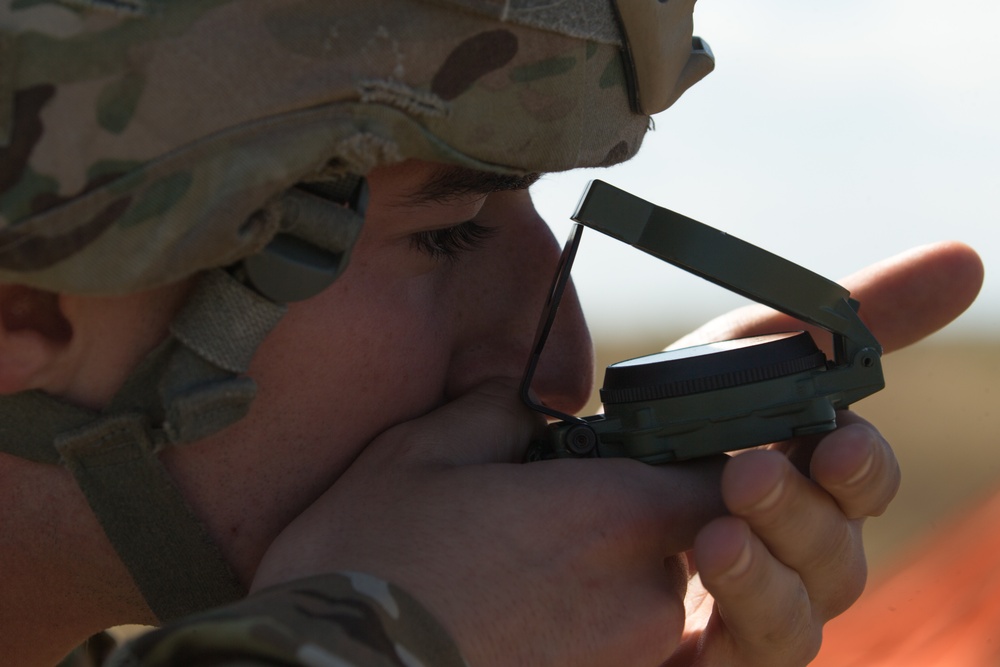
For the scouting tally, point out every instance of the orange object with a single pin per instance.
(940, 608)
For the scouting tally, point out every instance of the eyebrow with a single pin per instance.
(450, 183)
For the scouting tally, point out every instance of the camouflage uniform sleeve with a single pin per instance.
(334, 620)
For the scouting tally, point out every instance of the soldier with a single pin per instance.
(216, 378)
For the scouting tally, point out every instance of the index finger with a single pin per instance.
(903, 299)
(661, 507)
(489, 424)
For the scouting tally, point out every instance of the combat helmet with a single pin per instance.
(145, 141)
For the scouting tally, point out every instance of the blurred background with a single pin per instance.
(833, 134)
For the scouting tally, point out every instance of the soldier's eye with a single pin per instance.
(450, 242)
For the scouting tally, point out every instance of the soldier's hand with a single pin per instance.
(564, 562)
(790, 557)
(775, 548)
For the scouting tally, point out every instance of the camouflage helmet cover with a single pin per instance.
(138, 137)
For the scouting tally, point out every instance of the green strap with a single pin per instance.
(178, 394)
(188, 388)
(223, 321)
(169, 554)
(29, 422)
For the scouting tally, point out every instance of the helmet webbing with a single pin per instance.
(176, 396)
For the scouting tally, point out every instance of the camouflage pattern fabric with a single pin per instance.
(334, 620)
(138, 137)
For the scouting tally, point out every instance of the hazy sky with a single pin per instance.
(834, 134)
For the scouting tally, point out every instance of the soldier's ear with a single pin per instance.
(34, 332)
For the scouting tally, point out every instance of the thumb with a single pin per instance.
(489, 424)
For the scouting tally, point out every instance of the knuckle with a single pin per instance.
(850, 580)
(796, 636)
(852, 585)
(893, 479)
(809, 645)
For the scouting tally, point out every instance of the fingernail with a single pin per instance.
(741, 565)
(863, 471)
(771, 498)
(866, 465)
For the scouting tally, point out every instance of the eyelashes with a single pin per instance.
(451, 242)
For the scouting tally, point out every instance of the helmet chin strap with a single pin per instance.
(191, 386)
